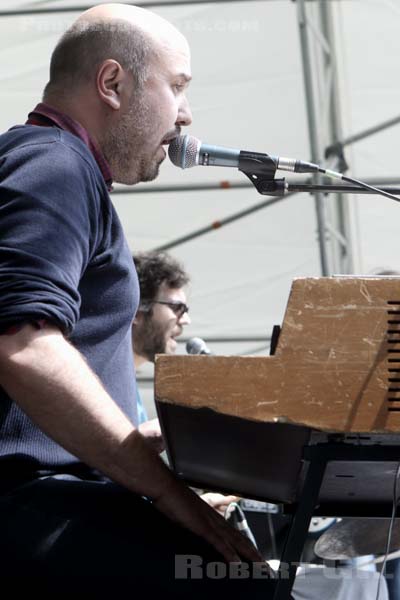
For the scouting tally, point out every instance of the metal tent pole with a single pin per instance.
(325, 130)
(316, 153)
(340, 217)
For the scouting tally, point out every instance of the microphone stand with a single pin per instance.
(279, 187)
(261, 172)
(341, 189)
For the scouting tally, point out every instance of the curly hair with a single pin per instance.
(155, 268)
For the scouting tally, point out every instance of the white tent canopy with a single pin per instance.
(247, 92)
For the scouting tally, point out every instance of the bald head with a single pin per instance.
(127, 34)
(154, 26)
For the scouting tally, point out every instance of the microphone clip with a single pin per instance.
(268, 187)
(261, 169)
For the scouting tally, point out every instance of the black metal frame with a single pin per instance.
(318, 456)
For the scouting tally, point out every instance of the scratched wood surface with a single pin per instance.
(336, 366)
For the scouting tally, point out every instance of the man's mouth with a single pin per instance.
(175, 335)
(168, 140)
(171, 136)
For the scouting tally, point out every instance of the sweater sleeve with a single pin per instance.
(48, 212)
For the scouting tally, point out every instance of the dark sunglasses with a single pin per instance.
(179, 308)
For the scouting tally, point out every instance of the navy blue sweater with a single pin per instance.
(63, 258)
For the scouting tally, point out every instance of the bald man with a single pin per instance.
(84, 498)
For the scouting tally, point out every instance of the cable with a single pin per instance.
(389, 538)
(235, 514)
(271, 531)
(337, 175)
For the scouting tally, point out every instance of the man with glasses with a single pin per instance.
(161, 317)
(162, 313)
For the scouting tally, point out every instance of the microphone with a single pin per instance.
(197, 346)
(186, 151)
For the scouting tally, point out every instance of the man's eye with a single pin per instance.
(179, 87)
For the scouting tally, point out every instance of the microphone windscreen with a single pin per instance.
(196, 346)
(183, 151)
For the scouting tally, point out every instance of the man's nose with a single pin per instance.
(184, 319)
(185, 117)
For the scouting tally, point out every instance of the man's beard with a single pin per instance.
(124, 146)
(149, 338)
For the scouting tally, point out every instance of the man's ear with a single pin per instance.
(113, 83)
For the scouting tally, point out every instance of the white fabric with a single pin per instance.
(343, 583)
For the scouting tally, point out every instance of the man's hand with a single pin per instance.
(219, 502)
(152, 432)
(184, 506)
